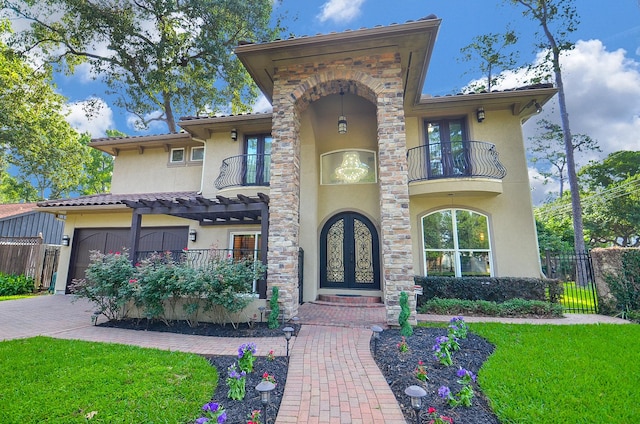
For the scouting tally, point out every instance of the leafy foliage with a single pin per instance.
(161, 58)
(274, 308)
(496, 54)
(403, 318)
(510, 308)
(158, 282)
(38, 142)
(626, 285)
(11, 285)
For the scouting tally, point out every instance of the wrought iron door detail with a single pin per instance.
(335, 252)
(349, 253)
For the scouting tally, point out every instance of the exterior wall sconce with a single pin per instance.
(535, 104)
(234, 134)
(66, 240)
(342, 120)
(480, 114)
(192, 234)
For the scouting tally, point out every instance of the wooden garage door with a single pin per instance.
(116, 239)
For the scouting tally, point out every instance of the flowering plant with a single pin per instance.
(271, 356)
(465, 395)
(246, 356)
(442, 350)
(458, 328)
(421, 372)
(268, 377)
(236, 381)
(254, 417)
(403, 346)
(437, 418)
(213, 411)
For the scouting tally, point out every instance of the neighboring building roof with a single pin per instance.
(108, 199)
(12, 209)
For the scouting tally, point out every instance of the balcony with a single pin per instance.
(244, 171)
(439, 168)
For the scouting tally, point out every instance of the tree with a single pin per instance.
(548, 150)
(554, 226)
(557, 20)
(160, 58)
(491, 49)
(98, 167)
(612, 211)
(36, 139)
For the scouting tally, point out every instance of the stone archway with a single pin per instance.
(377, 78)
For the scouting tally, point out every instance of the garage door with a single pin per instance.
(116, 239)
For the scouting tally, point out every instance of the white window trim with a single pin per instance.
(191, 159)
(171, 155)
(256, 247)
(456, 249)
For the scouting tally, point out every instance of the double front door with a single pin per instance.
(349, 253)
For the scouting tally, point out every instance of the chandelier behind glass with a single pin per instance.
(351, 170)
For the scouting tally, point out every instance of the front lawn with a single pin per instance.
(562, 374)
(67, 381)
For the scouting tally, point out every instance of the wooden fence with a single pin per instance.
(30, 257)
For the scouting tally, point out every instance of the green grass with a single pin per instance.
(577, 297)
(62, 381)
(14, 297)
(562, 374)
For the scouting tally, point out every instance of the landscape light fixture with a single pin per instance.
(66, 240)
(265, 388)
(416, 393)
(480, 114)
(261, 309)
(234, 134)
(192, 234)
(288, 332)
(376, 335)
(342, 120)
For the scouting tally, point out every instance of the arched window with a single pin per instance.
(456, 243)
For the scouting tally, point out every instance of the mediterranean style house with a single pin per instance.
(354, 184)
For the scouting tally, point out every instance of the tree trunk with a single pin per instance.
(168, 113)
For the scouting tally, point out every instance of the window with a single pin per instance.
(353, 166)
(197, 154)
(456, 243)
(177, 155)
(246, 246)
(257, 159)
(448, 148)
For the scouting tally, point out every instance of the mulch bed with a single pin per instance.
(398, 369)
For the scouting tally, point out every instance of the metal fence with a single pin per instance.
(575, 270)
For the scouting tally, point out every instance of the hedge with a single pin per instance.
(494, 289)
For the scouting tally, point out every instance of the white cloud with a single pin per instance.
(262, 105)
(340, 11)
(92, 115)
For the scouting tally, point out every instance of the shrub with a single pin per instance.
(109, 284)
(11, 285)
(489, 288)
(158, 279)
(625, 286)
(274, 308)
(511, 308)
(403, 319)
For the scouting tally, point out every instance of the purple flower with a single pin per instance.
(211, 406)
(461, 372)
(202, 420)
(247, 348)
(444, 392)
(222, 418)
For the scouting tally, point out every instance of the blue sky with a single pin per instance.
(602, 75)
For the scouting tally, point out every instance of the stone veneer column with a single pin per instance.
(284, 203)
(395, 221)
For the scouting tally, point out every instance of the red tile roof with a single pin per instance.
(107, 199)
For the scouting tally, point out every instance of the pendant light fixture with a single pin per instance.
(342, 120)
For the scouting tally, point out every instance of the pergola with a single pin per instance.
(242, 210)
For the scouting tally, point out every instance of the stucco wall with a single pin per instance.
(150, 172)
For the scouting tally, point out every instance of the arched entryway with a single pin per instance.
(349, 253)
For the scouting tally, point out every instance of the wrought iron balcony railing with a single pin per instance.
(456, 159)
(244, 170)
(198, 258)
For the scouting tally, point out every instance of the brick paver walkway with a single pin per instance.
(332, 375)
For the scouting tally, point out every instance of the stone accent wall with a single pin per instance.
(377, 78)
(607, 262)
